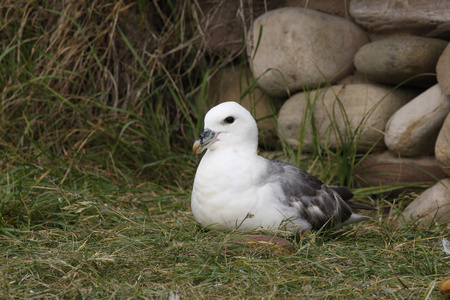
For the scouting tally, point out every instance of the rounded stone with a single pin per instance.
(223, 22)
(442, 148)
(412, 17)
(387, 169)
(292, 48)
(413, 129)
(399, 59)
(433, 205)
(443, 71)
(340, 114)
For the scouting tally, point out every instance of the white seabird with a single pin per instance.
(236, 189)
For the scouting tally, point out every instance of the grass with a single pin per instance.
(97, 118)
(96, 239)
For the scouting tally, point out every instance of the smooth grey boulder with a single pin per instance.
(291, 48)
(388, 168)
(400, 59)
(341, 114)
(413, 17)
(433, 205)
(413, 129)
(442, 147)
(443, 71)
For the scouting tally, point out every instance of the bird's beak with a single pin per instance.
(206, 139)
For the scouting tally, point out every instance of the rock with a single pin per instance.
(300, 48)
(387, 168)
(413, 129)
(442, 148)
(333, 7)
(443, 71)
(224, 22)
(395, 60)
(414, 17)
(367, 107)
(264, 244)
(237, 84)
(433, 205)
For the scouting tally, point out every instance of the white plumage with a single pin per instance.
(235, 188)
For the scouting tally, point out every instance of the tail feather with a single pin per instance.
(356, 218)
(342, 191)
(355, 205)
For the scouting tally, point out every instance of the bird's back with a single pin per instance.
(322, 206)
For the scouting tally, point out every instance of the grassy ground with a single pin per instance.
(96, 238)
(97, 119)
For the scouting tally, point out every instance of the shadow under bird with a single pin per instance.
(236, 189)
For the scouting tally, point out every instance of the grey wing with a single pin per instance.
(317, 203)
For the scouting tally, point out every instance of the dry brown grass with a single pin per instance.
(112, 75)
(80, 45)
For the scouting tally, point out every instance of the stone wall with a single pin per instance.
(374, 70)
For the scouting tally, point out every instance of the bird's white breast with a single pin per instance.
(223, 191)
(226, 194)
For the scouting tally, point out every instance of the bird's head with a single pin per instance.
(228, 125)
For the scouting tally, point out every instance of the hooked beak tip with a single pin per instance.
(197, 147)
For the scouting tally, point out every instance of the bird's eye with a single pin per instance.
(229, 120)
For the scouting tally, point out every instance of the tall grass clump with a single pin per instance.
(100, 81)
(95, 93)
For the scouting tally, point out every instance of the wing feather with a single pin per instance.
(317, 203)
